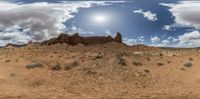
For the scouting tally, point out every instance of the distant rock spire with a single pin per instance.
(118, 38)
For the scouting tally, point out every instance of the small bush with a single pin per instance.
(147, 71)
(7, 60)
(148, 59)
(35, 65)
(188, 65)
(56, 67)
(122, 61)
(183, 69)
(168, 62)
(190, 59)
(160, 64)
(72, 65)
(137, 63)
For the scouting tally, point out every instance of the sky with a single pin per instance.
(162, 23)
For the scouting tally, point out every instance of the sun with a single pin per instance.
(100, 18)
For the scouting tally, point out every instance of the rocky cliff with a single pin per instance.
(76, 39)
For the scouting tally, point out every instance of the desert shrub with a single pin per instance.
(12, 75)
(191, 59)
(122, 61)
(7, 60)
(56, 67)
(168, 62)
(148, 59)
(35, 65)
(71, 65)
(137, 63)
(160, 64)
(183, 69)
(188, 65)
(146, 71)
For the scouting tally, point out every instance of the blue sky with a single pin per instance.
(166, 23)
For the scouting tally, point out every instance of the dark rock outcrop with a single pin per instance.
(118, 38)
(76, 39)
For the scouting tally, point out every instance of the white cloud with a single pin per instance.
(165, 42)
(148, 14)
(186, 13)
(167, 27)
(108, 33)
(174, 39)
(155, 39)
(129, 41)
(190, 39)
(38, 21)
(75, 29)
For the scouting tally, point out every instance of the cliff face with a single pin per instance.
(76, 39)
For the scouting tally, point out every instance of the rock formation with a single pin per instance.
(118, 38)
(76, 39)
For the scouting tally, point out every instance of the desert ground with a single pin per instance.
(101, 71)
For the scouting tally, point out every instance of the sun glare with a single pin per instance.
(100, 18)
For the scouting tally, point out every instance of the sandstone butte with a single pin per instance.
(76, 39)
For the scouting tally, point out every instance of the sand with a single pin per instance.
(106, 71)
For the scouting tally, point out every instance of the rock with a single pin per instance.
(77, 39)
(118, 38)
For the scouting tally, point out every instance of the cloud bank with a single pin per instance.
(186, 13)
(21, 23)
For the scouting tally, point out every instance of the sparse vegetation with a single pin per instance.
(56, 67)
(121, 60)
(7, 61)
(148, 59)
(190, 59)
(160, 64)
(12, 75)
(183, 69)
(35, 65)
(188, 65)
(137, 63)
(169, 62)
(71, 65)
(146, 71)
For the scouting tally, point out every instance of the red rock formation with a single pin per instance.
(76, 39)
(118, 38)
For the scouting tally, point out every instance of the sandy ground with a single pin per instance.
(99, 72)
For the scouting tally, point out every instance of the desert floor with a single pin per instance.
(99, 72)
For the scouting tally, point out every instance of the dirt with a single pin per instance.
(99, 71)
